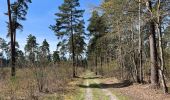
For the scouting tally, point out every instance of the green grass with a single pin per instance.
(99, 95)
(118, 95)
(97, 92)
(77, 94)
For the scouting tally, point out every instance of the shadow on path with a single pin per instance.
(122, 84)
(95, 77)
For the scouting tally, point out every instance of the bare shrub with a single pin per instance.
(37, 81)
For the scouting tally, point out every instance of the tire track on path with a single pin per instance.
(89, 95)
(107, 92)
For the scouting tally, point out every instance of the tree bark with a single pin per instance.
(136, 71)
(73, 48)
(77, 64)
(96, 63)
(153, 56)
(161, 71)
(12, 39)
(101, 64)
(140, 46)
(153, 51)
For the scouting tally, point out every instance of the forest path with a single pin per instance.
(93, 87)
(94, 90)
(88, 92)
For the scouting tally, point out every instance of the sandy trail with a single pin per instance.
(107, 92)
(89, 95)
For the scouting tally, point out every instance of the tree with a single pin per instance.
(31, 48)
(45, 50)
(161, 7)
(153, 48)
(16, 11)
(3, 49)
(97, 29)
(12, 39)
(151, 17)
(20, 58)
(92, 28)
(3, 45)
(79, 43)
(56, 57)
(66, 24)
(140, 44)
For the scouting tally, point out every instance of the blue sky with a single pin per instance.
(40, 17)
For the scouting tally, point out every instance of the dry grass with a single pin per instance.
(36, 82)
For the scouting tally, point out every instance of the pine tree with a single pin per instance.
(56, 57)
(16, 11)
(66, 24)
(97, 29)
(31, 48)
(45, 48)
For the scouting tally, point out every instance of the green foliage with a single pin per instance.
(98, 30)
(31, 43)
(97, 26)
(31, 47)
(69, 21)
(68, 18)
(18, 11)
(45, 47)
(20, 58)
(56, 57)
(79, 44)
(44, 51)
(3, 46)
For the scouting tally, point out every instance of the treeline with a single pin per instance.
(33, 53)
(131, 36)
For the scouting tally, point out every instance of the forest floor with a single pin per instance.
(92, 87)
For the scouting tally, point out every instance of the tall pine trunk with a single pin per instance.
(140, 46)
(96, 63)
(73, 48)
(101, 64)
(153, 51)
(12, 39)
(161, 70)
(153, 56)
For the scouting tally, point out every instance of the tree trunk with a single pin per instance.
(153, 50)
(73, 48)
(161, 71)
(153, 56)
(77, 64)
(121, 59)
(140, 46)
(12, 40)
(120, 51)
(136, 71)
(96, 63)
(101, 64)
